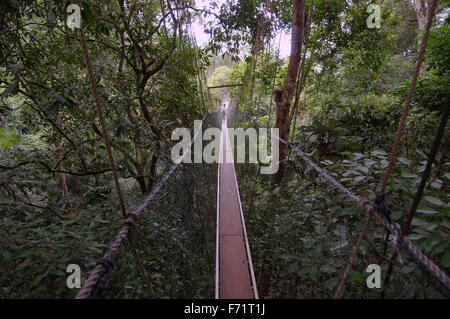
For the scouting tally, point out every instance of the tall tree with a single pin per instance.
(283, 96)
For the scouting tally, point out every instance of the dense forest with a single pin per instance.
(88, 104)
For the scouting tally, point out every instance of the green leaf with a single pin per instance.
(396, 215)
(11, 89)
(379, 152)
(36, 280)
(357, 276)
(364, 169)
(445, 211)
(308, 243)
(415, 236)
(340, 245)
(320, 229)
(331, 283)
(7, 139)
(409, 175)
(445, 260)
(426, 210)
(434, 200)
(357, 156)
(408, 268)
(404, 161)
(303, 272)
(6, 254)
(350, 211)
(357, 180)
(419, 222)
(436, 184)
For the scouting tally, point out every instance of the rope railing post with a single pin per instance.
(401, 125)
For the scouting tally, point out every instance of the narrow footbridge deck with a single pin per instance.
(235, 278)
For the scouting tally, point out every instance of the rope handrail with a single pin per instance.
(409, 97)
(128, 223)
(368, 207)
(107, 264)
(97, 276)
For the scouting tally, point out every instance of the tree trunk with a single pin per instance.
(249, 76)
(260, 35)
(421, 13)
(283, 97)
(421, 16)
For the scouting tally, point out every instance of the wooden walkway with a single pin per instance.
(234, 271)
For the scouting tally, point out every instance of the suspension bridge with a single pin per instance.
(235, 278)
(234, 273)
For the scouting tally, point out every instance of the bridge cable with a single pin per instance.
(104, 262)
(370, 208)
(130, 222)
(398, 136)
(423, 181)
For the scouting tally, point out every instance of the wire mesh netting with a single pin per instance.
(301, 236)
(175, 236)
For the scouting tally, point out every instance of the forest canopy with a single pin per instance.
(87, 112)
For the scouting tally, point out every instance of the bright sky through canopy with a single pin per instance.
(203, 38)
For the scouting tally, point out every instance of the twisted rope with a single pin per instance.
(368, 207)
(131, 221)
(401, 125)
(105, 270)
(399, 133)
(98, 106)
(112, 162)
(423, 181)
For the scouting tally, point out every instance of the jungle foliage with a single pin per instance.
(58, 205)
